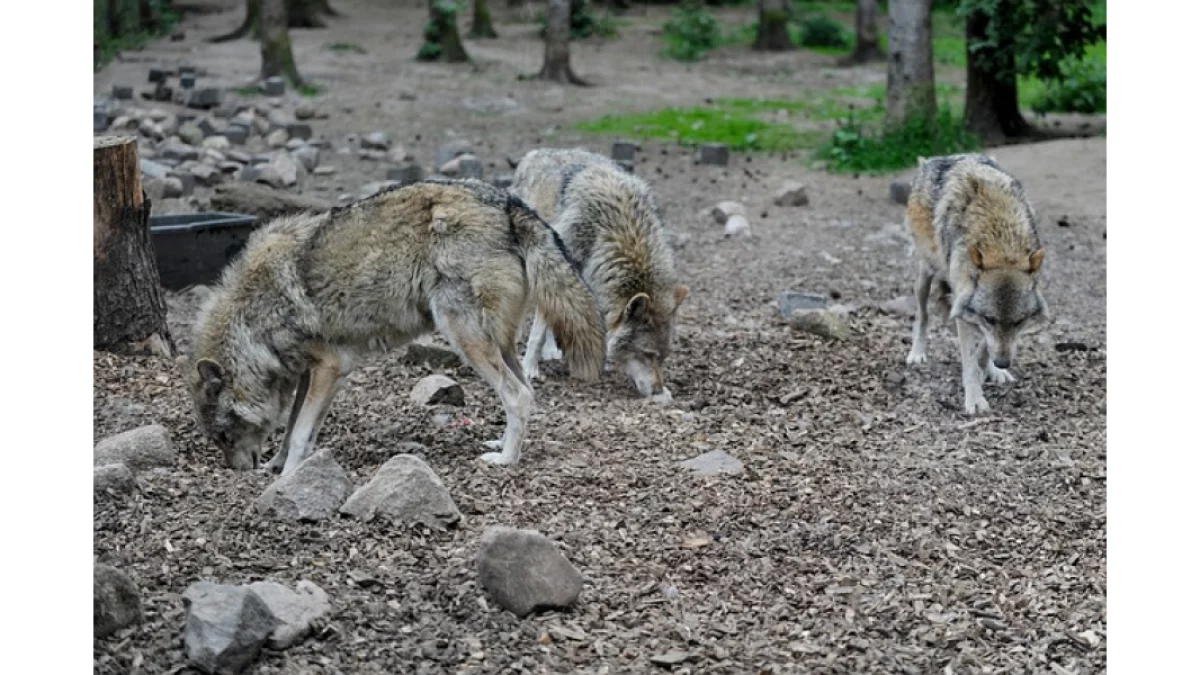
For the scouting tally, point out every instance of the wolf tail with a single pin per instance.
(563, 299)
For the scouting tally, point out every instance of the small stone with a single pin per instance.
(312, 492)
(295, 611)
(524, 572)
(226, 627)
(304, 111)
(377, 140)
(262, 126)
(299, 130)
(405, 490)
(790, 301)
(187, 182)
(448, 151)
(463, 166)
(713, 463)
(191, 133)
(823, 323)
(207, 175)
(294, 144)
(211, 127)
(723, 210)
(187, 81)
(238, 156)
(324, 171)
(737, 226)
(437, 390)
(208, 97)
(274, 86)
(116, 601)
(899, 190)
(216, 143)
(237, 134)
(431, 355)
(503, 181)
(229, 167)
(162, 92)
(112, 480)
(289, 168)
(715, 154)
(158, 75)
(308, 156)
(623, 151)
(277, 138)
(399, 155)
(904, 305)
(152, 169)
(405, 174)
(122, 92)
(372, 155)
(179, 152)
(139, 449)
(178, 36)
(792, 193)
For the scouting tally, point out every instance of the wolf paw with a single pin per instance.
(916, 357)
(975, 405)
(276, 464)
(998, 376)
(496, 458)
(551, 353)
(532, 373)
(662, 398)
(494, 445)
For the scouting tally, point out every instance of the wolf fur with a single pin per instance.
(610, 221)
(313, 293)
(976, 238)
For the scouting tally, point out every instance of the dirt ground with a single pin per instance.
(875, 528)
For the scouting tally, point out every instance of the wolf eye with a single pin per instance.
(990, 319)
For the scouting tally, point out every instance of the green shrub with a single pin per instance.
(1082, 89)
(691, 33)
(853, 148)
(822, 31)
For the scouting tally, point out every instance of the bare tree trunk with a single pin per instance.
(910, 91)
(556, 67)
(481, 21)
(128, 309)
(442, 41)
(300, 14)
(276, 47)
(866, 29)
(772, 27)
(991, 109)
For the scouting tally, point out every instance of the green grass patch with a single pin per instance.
(856, 148)
(694, 126)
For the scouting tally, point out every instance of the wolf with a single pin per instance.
(975, 236)
(312, 294)
(611, 223)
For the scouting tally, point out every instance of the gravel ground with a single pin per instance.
(874, 529)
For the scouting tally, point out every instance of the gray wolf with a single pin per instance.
(975, 236)
(611, 223)
(313, 293)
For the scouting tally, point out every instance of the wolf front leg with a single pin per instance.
(325, 380)
(534, 345)
(280, 458)
(917, 354)
(973, 349)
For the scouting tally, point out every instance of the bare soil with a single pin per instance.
(875, 528)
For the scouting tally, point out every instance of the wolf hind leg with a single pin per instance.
(550, 350)
(918, 353)
(535, 345)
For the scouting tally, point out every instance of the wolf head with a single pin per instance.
(1003, 302)
(234, 425)
(640, 342)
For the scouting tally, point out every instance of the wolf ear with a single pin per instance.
(212, 375)
(976, 256)
(681, 293)
(1035, 260)
(637, 306)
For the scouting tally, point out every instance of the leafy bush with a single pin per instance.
(822, 31)
(1083, 88)
(691, 33)
(854, 148)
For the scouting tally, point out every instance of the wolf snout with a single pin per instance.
(1001, 363)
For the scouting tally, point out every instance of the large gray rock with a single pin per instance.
(377, 140)
(404, 490)
(226, 627)
(294, 610)
(112, 480)
(116, 602)
(792, 193)
(191, 133)
(139, 449)
(790, 301)
(308, 156)
(437, 390)
(524, 572)
(312, 492)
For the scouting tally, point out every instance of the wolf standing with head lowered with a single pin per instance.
(976, 237)
(611, 223)
(312, 293)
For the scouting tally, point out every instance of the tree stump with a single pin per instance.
(129, 314)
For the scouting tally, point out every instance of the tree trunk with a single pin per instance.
(128, 309)
(556, 66)
(481, 22)
(866, 29)
(772, 26)
(442, 42)
(275, 45)
(991, 108)
(910, 91)
(300, 13)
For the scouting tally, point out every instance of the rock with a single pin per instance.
(463, 166)
(262, 201)
(305, 111)
(298, 130)
(372, 155)
(404, 490)
(262, 126)
(187, 182)
(623, 151)
(229, 167)
(191, 133)
(116, 601)
(821, 322)
(371, 189)
(433, 356)
(155, 188)
(377, 140)
(722, 211)
(405, 174)
(152, 169)
(713, 463)
(226, 627)
(216, 143)
(263, 174)
(179, 152)
(277, 138)
(158, 75)
(737, 226)
(139, 449)
(237, 134)
(792, 193)
(112, 480)
(904, 305)
(308, 156)
(437, 390)
(312, 492)
(294, 611)
(238, 156)
(324, 171)
(790, 301)
(294, 144)
(626, 166)
(151, 130)
(207, 175)
(899, 191)
(274, 86)
(289, 168)
(122, 92)
(162, 92)
(208, 97)
(448, 151)
(187, 81)
(524, 572)
(503, 181)
(715, 154)
(398, 155)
